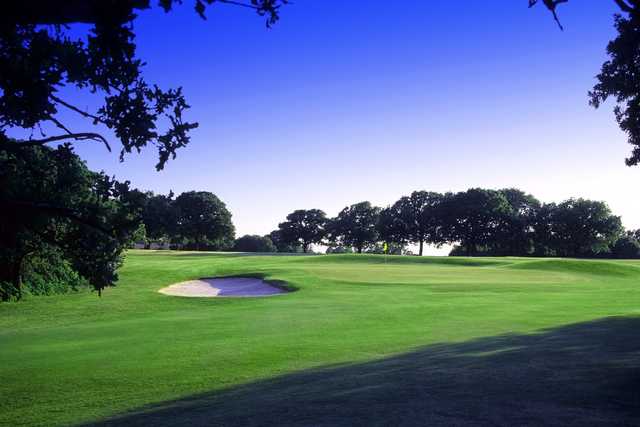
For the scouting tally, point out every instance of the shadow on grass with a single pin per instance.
(581, 374)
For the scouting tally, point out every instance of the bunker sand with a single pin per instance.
(222, 287)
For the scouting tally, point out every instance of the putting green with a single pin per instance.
(361, 338)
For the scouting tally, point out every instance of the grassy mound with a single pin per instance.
(587, 267)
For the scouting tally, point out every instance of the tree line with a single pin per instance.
(84, 220)
(507, 222)
(68, 226)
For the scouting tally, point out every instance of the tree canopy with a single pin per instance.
(49, 198)
(473, 217)
(304, 228)
(356, 226)
(203, 221)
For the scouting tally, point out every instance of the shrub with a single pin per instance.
(47, 273)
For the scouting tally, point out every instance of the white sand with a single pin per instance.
(222, 287)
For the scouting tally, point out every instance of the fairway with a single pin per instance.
(409, 340)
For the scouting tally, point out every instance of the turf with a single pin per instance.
(407, 341)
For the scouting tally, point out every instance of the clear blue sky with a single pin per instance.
(344, 101)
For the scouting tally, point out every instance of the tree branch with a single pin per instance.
(624, 6)
(60, 12)
(59, 125)
(77, 136)
(77, 110)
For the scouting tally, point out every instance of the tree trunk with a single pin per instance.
(305, 247)
(359, 249)
(421, 244)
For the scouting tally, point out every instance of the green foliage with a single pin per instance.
(617, 79)
(50, 199)
(139, 236)
(514, 235)
(626, 247)
(48, 272)
(391, 227)
(580, 227)
(356, 226)
(303, 228)
(421, 212)
(283, 245)
(203, 221)
(160, 216)
(254, 243)
(473, 217)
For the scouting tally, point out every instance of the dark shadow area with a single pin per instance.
(580, 374)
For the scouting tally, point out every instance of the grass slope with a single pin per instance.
(360, 337)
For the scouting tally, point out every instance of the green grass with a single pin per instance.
(355, 324)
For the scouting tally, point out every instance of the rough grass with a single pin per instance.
(409, 340)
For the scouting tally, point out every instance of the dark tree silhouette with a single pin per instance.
(515, 232)
(304, 228)
(473, 217)
(160, 217)
(281, 244)
(580, 227)
(420, 213)
(391, 227)
(356, 226)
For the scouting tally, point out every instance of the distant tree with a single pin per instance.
(626, 247)
(514, 235)
(634, 234)
(254, 243)
(203, 221)
(356, 226)
(421, 212)
(542, 224)
(391, 227)
(139, 235)
(474, 217)
(304, 228)
(281, 244)
(160, 216)
(49, 200)
(581, 227)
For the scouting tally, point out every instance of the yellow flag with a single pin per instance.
(385, 247)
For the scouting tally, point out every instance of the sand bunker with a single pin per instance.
(223, 287)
